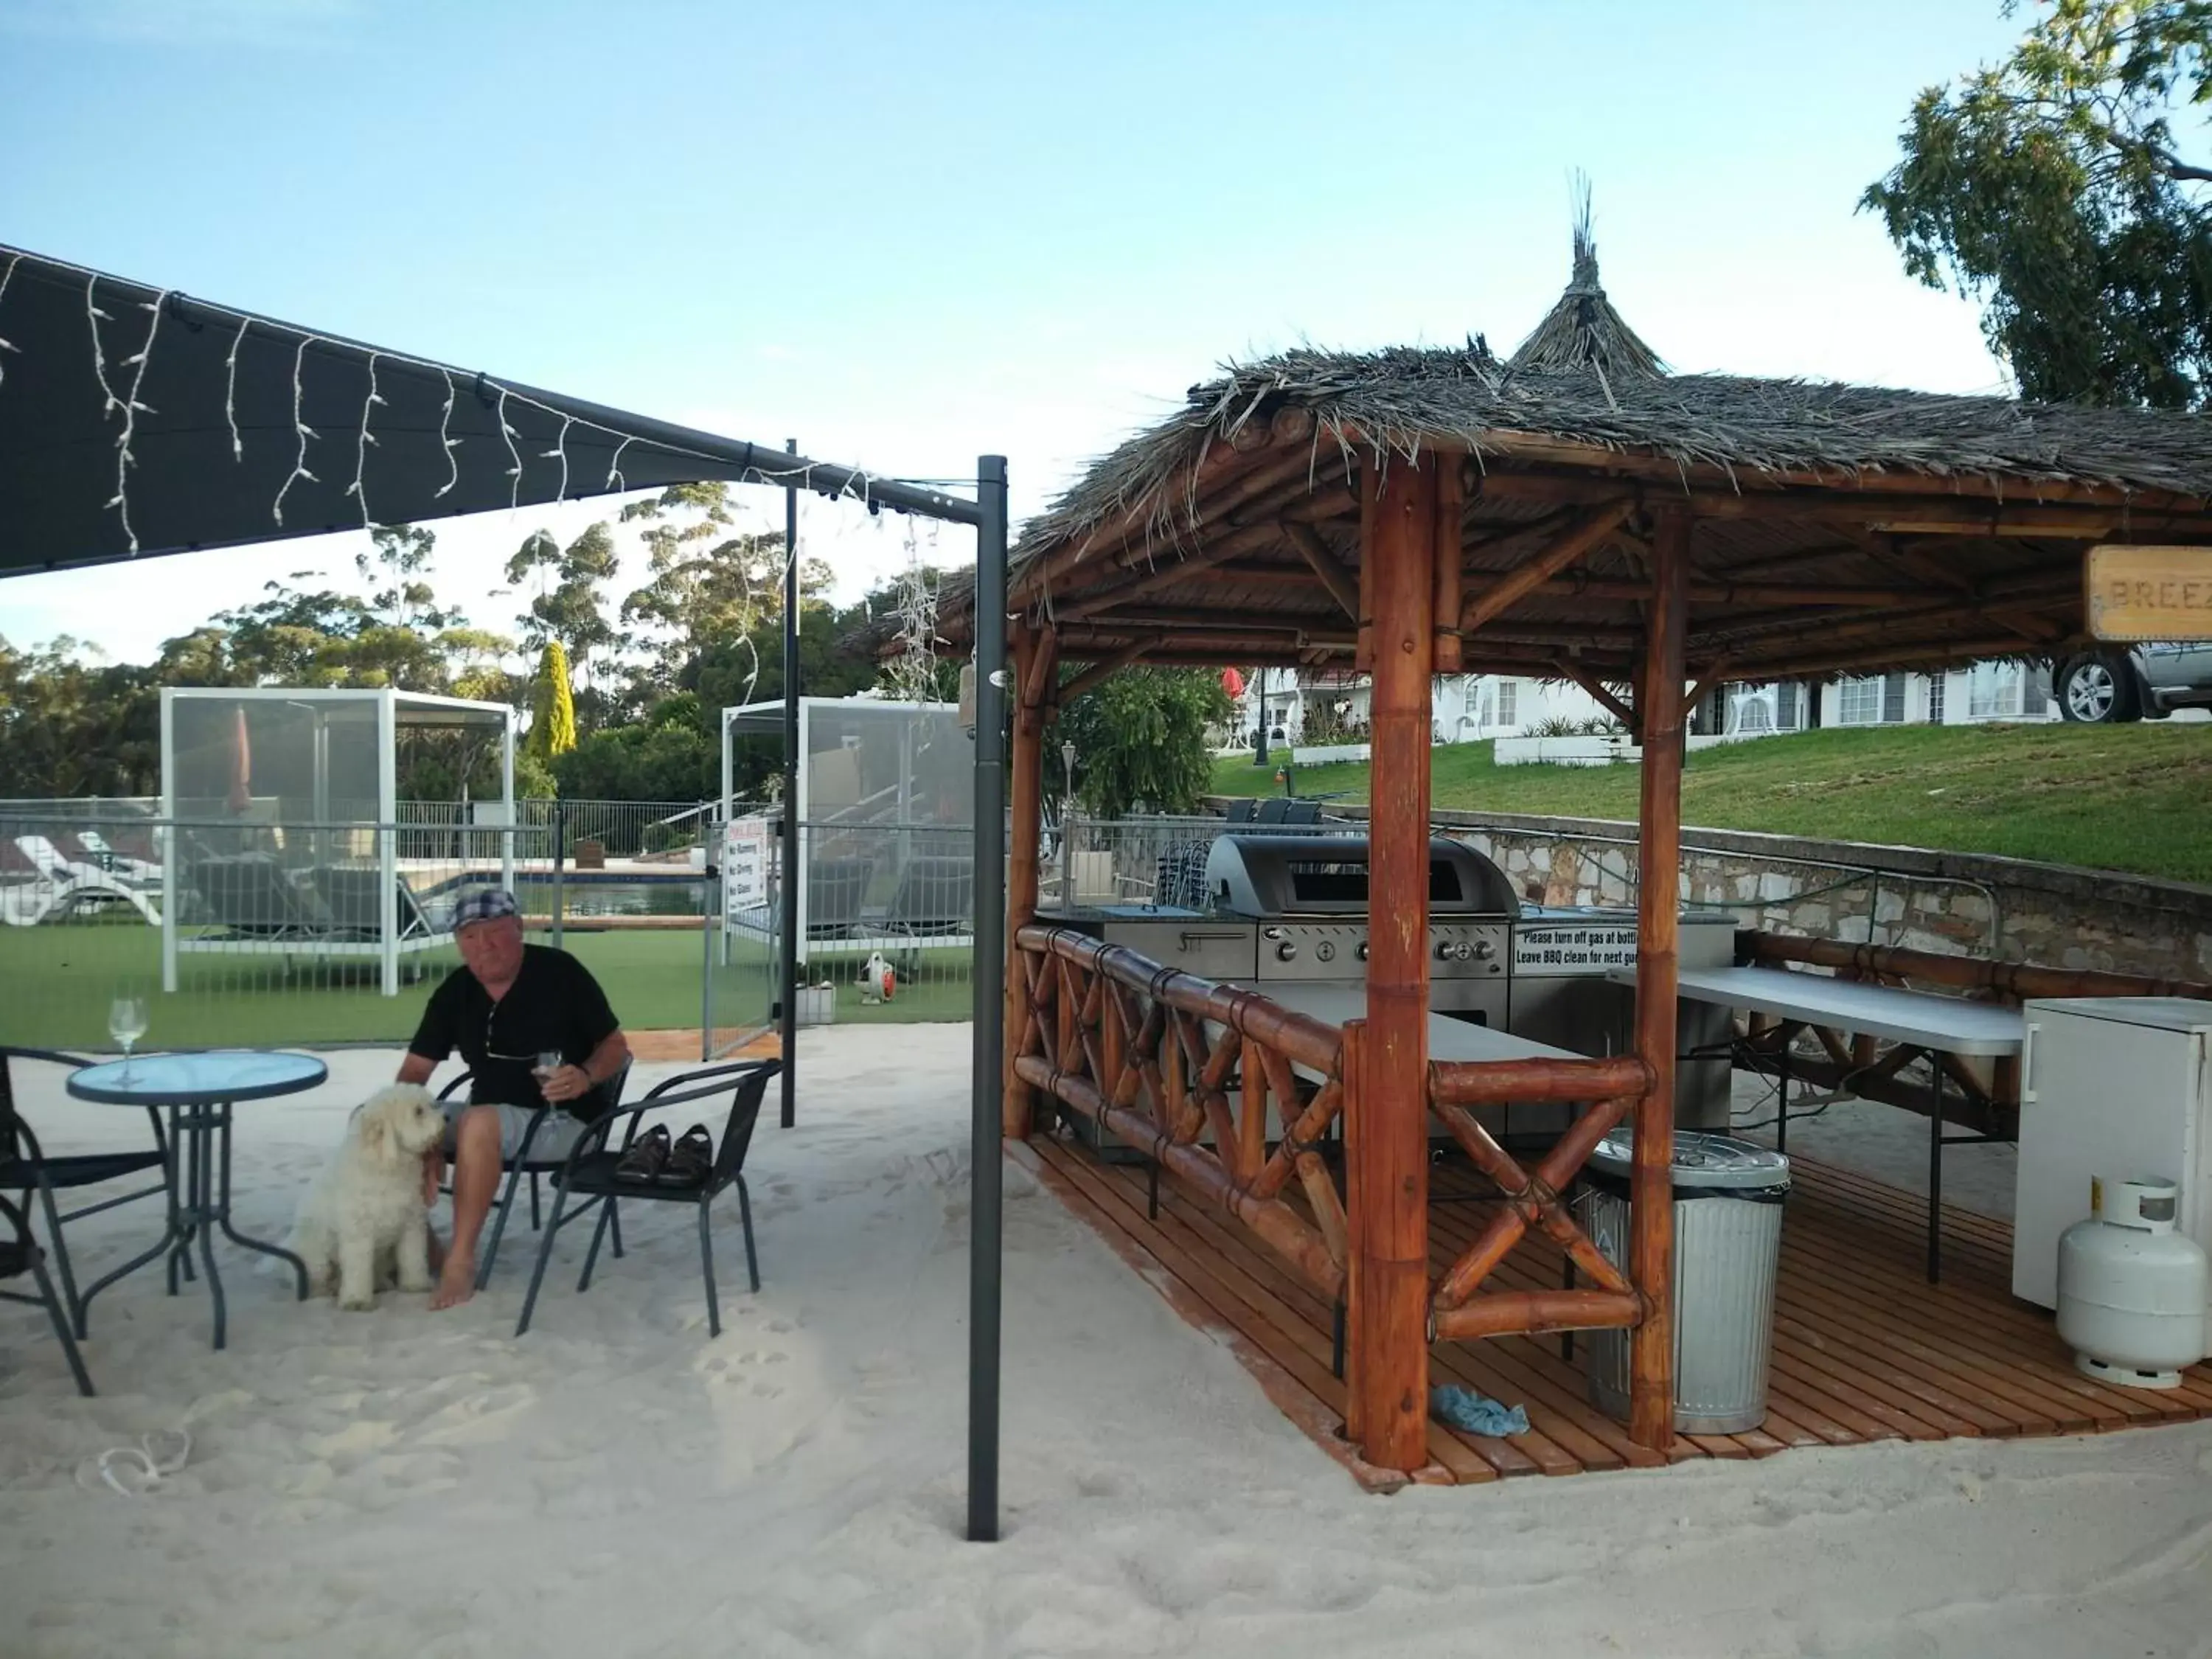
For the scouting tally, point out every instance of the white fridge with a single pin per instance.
(2109, 1086)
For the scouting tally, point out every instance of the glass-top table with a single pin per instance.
(197, 1091)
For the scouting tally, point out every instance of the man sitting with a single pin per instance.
(508, 1005)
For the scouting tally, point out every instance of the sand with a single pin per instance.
(406, 1483)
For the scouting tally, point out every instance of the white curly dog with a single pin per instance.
(363, 1223)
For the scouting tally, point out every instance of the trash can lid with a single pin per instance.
(1702, 1160)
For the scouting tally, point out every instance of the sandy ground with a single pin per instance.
(406, 1483)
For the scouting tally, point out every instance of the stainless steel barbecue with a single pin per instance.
(1307, 895)
(1281, 908)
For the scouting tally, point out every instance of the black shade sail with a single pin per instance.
(136, 420)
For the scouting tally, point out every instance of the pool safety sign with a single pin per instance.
(1573, 949)
(744, 866)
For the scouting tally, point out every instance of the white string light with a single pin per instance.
(514, 472)
(360, 453)
(94, 316)
(298, 427)
(447, 438)
(5, 344)
(132, 408)
(560, 451)
(230, 393)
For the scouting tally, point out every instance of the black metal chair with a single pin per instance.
(19, 1255)
(26, 1172)
(522, 1164)
(591, 1175)
(1243, 811)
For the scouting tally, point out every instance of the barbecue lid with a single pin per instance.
(1278, 875)
(1702, 1162)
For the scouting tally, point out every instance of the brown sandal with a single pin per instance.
(647, 1156)
(691, 1160)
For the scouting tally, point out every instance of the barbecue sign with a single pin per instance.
(2142, 593)
(1572, 950)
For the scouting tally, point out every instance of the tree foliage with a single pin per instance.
(570, 602)
(2055, 187)
(553, 710)
(1140, 735)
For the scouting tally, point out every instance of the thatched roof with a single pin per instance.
(1582, 332)
(1959, 520)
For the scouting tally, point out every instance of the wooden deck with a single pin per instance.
(1864, 1347)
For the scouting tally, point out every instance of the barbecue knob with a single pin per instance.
(1483, 950)
(1447, 952)
(1287, 949)
(1359, 950)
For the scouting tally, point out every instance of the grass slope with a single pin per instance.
(56, 981)
(2130, 798)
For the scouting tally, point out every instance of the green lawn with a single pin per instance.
(2130, 798)
(56, 981)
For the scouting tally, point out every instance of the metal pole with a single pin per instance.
(787, 975)
(985, 1173)
(709, 903)
(560, 858)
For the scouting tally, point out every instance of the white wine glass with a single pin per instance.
(550, 1060)
(126, 1023)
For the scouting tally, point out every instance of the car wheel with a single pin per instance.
(2096, 691)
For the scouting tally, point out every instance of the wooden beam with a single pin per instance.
(1343, 585)
(1444, 604)
(1707, 679)
(1389, 1201)
(1658, 910)
(1537, 450)
(1569, 669)
(1174, 566)
(1578, 585)
(1909, 502)
(1587, 530)
(1103, 669)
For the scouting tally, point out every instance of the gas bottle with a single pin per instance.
(2131, 1289)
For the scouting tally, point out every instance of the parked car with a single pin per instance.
(2134, 682)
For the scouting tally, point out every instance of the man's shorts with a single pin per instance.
(554, 1136)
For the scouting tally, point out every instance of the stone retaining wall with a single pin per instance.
(1959, 902)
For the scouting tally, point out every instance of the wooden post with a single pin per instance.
(1025, 796)
(1658, 913)
(1389, 1118)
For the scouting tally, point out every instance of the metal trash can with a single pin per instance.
(1729, 1197)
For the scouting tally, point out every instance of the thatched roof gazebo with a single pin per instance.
(1573, 511)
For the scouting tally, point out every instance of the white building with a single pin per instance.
(1311, 709)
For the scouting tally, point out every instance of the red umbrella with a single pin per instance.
(241, 766)
(1232, 682)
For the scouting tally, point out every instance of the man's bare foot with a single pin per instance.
(456, 1281)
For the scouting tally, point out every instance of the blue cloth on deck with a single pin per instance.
(1463, 1408)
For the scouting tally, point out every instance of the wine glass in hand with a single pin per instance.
(126, 1023)
(550, 1060)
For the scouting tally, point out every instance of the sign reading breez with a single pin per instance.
(2149, 593)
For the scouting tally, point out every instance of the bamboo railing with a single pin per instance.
(1158, 1058)
(1123, 1041)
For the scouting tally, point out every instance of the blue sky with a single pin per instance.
(909, 233)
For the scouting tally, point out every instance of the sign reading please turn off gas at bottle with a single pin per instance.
(2149, 593)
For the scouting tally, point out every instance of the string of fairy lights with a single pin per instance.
(123, 405)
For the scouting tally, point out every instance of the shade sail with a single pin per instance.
(136, 421)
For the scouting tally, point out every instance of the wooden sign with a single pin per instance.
(2149, 593)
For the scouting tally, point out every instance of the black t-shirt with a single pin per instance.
(554, 1003)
